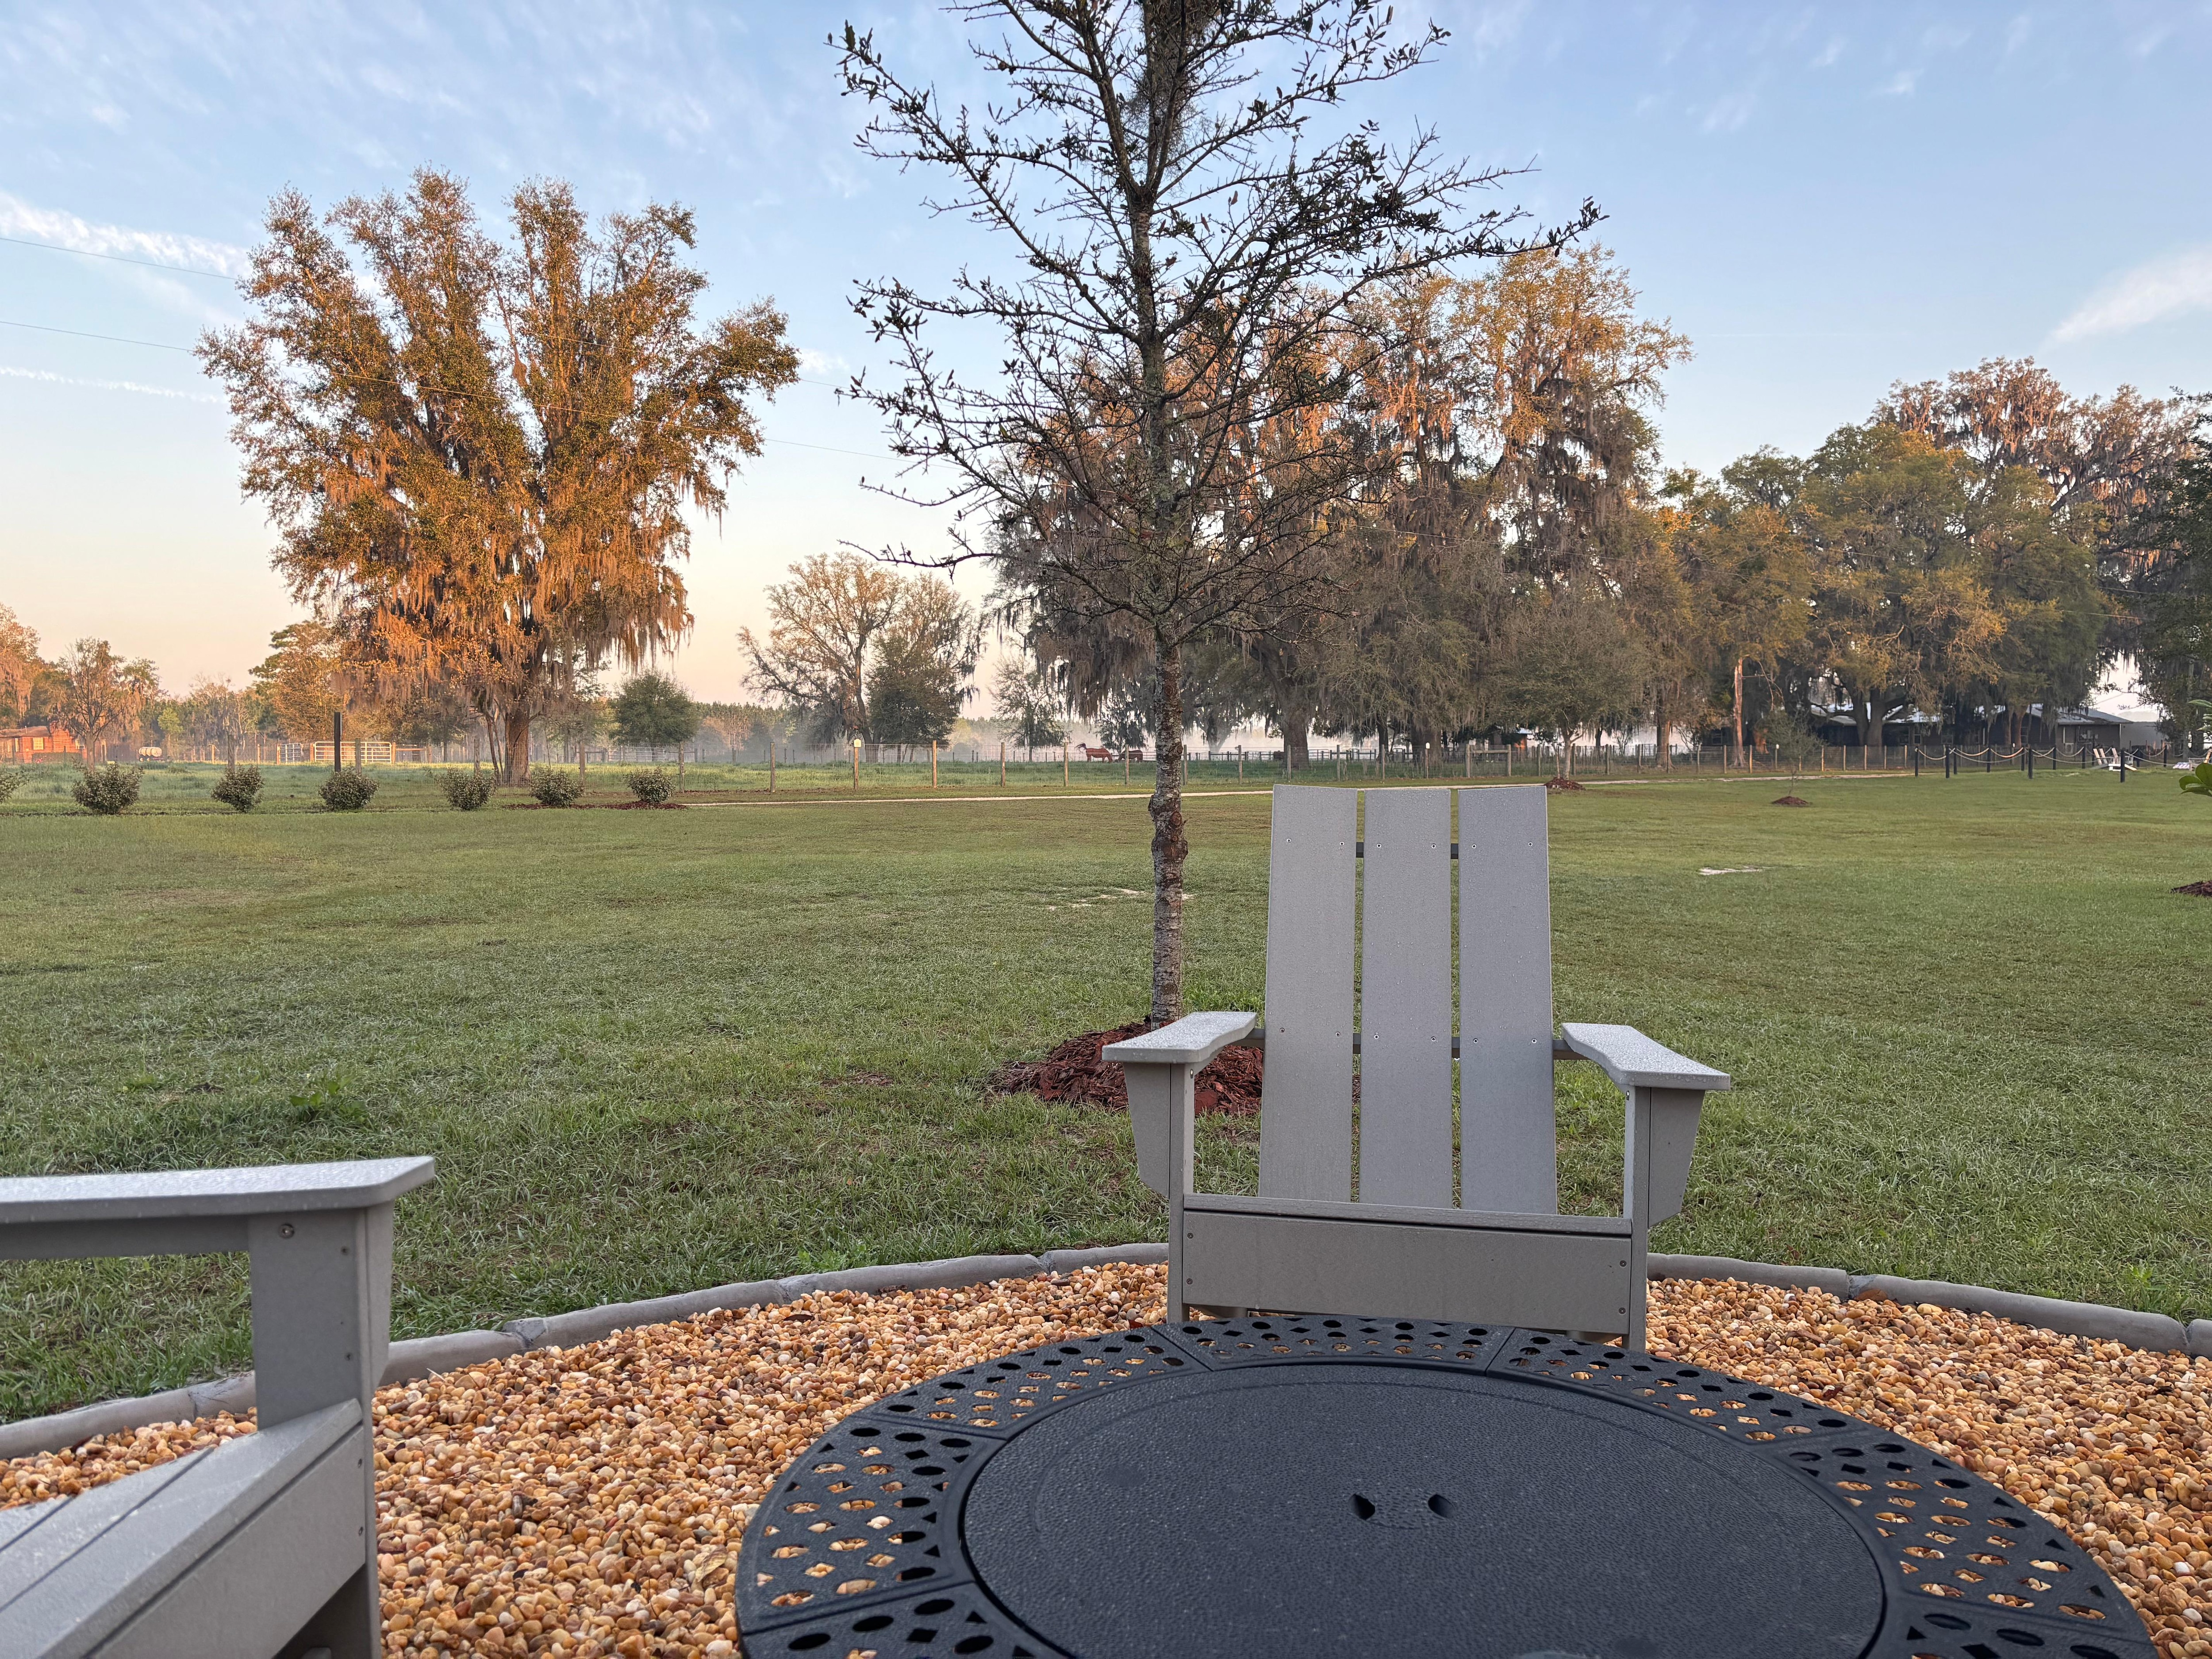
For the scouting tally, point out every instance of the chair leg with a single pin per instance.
(349, 1625)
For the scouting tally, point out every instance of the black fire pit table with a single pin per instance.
(1364, 1487)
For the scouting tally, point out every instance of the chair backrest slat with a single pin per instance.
(1508, 1132)
(1305, 1125)
(1405, 1000)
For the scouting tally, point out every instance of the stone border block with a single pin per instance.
(569, 1330)
(1834, 1280)
(2200, 1339)
(1104, 1255)
(426, 1356)
(2152, 1331)
(950, 1274)
(66, 1429)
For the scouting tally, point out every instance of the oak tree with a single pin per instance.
(481, 457)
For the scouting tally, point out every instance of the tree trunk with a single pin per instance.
(1869, 720)
(1170, 847)
(1298, 748)
(517, 769)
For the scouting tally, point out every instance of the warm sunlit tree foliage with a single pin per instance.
(480, 455)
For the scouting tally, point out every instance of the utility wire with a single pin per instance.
(378, 379)
(80, 334)
(119, 259)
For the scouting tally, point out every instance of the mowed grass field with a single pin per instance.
(655, 1051)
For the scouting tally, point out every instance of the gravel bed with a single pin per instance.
(590, 1501)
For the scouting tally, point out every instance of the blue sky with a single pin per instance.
(1824, 198)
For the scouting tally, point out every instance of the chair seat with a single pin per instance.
(226, 1551)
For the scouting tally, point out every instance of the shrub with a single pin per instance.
(107, 791)
(238, 788)
(11, 780)
(652, 787)
(552, 787)
(465, 791)
(348, 789)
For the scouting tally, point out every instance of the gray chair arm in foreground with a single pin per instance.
(1458, 1211)
(265, 1545)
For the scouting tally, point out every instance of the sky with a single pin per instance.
(1824, 199)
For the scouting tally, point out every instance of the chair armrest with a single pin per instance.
(1633, 1061)
(1159, 1068)
(186, 1212)
(175, 1195)
(1191, 1041)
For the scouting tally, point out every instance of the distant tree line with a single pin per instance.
(1981, 547)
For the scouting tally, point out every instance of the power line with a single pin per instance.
(119, 259)
(80, 334)
(378, 379)
(163, 345)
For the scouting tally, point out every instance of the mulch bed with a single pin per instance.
(1561, 783)
(2196, 889)
(589, 1502)
(1230, 1085)
(596, 806)
(1791, 800)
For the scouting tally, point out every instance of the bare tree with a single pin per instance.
(1156, 455)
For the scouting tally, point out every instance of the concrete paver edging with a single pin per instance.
(426, 1356)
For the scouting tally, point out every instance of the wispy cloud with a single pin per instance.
(1731, 111)
(1830, 53)
(19, 218)
(8, 372)
(1899, 85)
(1495, 28)
(2152, 292)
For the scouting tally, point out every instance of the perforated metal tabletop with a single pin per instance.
(1350, 1487)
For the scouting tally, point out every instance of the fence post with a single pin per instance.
(1002, 763)
(1063, 766)
(932, 762)
(2124, 764)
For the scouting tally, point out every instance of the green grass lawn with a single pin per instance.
(653, 1051)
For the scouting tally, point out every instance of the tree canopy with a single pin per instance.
(480, 455)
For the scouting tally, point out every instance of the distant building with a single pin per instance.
(22, 743)
(2098, 728)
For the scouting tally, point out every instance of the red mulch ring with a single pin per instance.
(1791, 800)
(2196, 889)
(1561, 783)
(1230, 1085)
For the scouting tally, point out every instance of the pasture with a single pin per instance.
(654, 1051)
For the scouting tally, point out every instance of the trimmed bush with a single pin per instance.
(465, 791)
(107, 791)
(552, 787)
(348, 789)
(238, 788)
(652, 787)
(11, 780)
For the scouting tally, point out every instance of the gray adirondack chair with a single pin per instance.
(264, 1545)
(1494, 1251)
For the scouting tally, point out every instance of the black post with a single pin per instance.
(2124, 764)
(1915, 760)
(337, 739)
(1989, 755)
(2031, 760)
